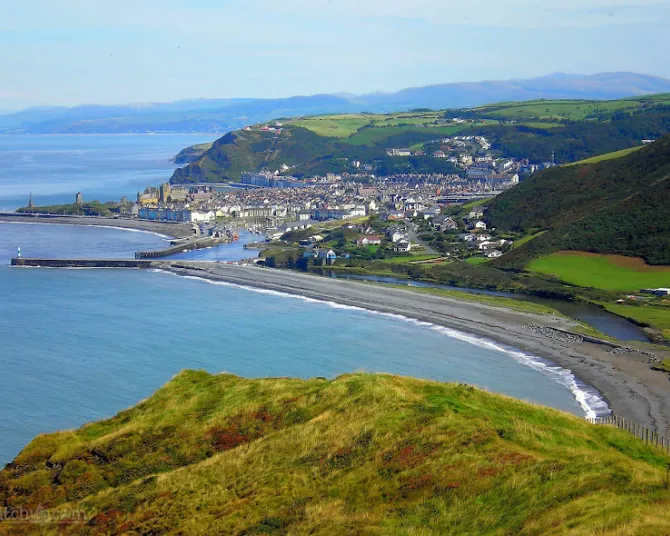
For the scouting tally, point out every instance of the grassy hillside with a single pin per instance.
(574, 110)
(363, 454)
(607, 156)
(617, 207)
(308, 153)
(329, 143)
(92, 208)
(191, 154)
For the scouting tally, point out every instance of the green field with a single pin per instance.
(335, 126)
(476, 260)
(605, 272)
(361, 454)
(346, 125)
(411, 258)
(540, 125)
(573, 110)
(653, 316)
(608, 156)
(370, 136)
(559, 109)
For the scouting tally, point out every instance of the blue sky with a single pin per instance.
(89, 51)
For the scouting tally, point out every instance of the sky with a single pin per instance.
(68, 52)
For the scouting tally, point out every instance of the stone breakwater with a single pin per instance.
(106, 263)
(566, 336)
(553, 333)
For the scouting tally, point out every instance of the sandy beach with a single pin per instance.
(625, 379)
(171, 230)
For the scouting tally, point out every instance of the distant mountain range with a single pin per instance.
(223, 115)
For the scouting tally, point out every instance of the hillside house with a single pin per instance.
(404, 246)
(466, 237)
(431, 213)
(396, 235)
(399, 152)
(445, 224)
(369, 241)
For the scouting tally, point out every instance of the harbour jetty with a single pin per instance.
(145, 264)
(81, 263)
(182, 246)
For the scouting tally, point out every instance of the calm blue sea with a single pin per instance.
(54, 168)
(80, 345)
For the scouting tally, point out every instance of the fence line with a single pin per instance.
(649, 436)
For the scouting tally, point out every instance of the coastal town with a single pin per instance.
(413, 213)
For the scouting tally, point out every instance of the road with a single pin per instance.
(411, 232)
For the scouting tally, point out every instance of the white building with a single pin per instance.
(202, 217)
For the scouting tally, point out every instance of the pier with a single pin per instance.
(84, 263)
(182, 246)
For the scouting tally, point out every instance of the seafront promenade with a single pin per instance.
(168, 229)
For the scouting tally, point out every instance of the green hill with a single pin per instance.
(572, 130)
(363, 454)
(607, 156)
(191, 154)
(306, 152)
(617, 206)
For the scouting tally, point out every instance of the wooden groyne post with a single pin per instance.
(649, 436)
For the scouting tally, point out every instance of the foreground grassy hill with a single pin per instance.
(363, 454)
(572, 130)
(617, 206)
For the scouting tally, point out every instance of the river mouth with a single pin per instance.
(597, 317)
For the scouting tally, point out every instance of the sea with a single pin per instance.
(79, 345)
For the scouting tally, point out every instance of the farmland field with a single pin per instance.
(370, 136)
(334, 126)
(573, 110)
(605, 272)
